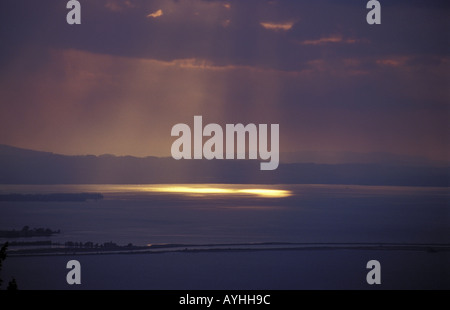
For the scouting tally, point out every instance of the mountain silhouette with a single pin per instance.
(22, 166)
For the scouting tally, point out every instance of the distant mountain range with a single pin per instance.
(359, 158)
(21, 166)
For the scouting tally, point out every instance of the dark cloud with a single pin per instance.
(229, 35)
(120, 80)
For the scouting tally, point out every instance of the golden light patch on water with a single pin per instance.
(276, 193)
(195, 190)
(191, 190)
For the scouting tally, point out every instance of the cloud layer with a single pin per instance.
(132, 69)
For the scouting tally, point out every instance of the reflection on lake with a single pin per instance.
(228, 213)
(270, 191)
(218, 189)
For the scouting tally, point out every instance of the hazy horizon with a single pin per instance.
(306, 156)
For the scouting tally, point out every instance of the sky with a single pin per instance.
(132, 69)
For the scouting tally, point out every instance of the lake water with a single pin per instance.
(215, 213)
(237, 214)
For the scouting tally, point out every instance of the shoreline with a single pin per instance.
(238, 247)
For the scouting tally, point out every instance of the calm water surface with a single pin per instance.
(217, 213)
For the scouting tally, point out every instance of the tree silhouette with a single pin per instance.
(12, 285)
(2, 258)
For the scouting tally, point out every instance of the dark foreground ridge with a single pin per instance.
(51, 197)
